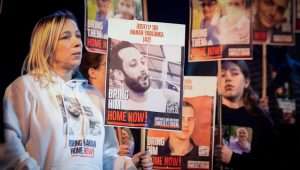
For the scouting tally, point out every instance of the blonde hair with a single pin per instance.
(43, 42)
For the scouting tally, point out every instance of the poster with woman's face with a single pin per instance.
(220, 29)
(274, 22)
(96, 22)
(238, 138)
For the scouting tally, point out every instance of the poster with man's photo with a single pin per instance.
(237, 138)
(220, 30)
(98, 12)
(273, 22)
(192, 147)
(144, 74)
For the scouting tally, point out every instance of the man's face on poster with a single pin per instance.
(271, 12)
(135, 69)
(188, 123)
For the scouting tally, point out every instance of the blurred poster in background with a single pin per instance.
(274, 22)
(97, 14)
(220, 30)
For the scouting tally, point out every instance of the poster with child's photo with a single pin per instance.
(220, 30)
(97, 14)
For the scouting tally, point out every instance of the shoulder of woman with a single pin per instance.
(24, 81)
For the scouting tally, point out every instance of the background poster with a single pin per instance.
(144, 74)
(97, 14)
(297, 15)
(220, 29)
(197, 129)
(274, 22)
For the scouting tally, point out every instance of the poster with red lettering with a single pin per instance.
(192, 147)
(144, 74)
(274, 22)
(220, 30)
(98, 12)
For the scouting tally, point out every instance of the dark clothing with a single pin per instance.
(261, 143)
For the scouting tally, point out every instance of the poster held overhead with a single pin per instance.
(220, 30)
(96, 19)
(274, 22)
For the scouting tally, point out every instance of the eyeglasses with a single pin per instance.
(208, 4)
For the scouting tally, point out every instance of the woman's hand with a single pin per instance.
(226, 154)
(143, 159)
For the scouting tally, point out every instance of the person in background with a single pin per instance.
(126, 142)
(54, 119)
(240, 107)
(93, 67)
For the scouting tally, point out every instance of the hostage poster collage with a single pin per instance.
(226, 29)
(145, 84)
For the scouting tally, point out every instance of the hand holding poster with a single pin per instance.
(220, 30)
(191, 148)
(144, 74)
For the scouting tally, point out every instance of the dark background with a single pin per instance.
(18, 18)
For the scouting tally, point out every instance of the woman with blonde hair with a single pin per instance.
(53, 119)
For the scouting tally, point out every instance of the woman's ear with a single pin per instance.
(247, 83)
(92, 73)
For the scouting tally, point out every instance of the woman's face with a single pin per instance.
(271, 12)
(68, 52)
(232, 82)
(97, 75)
(242, 134)
(125, 137)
